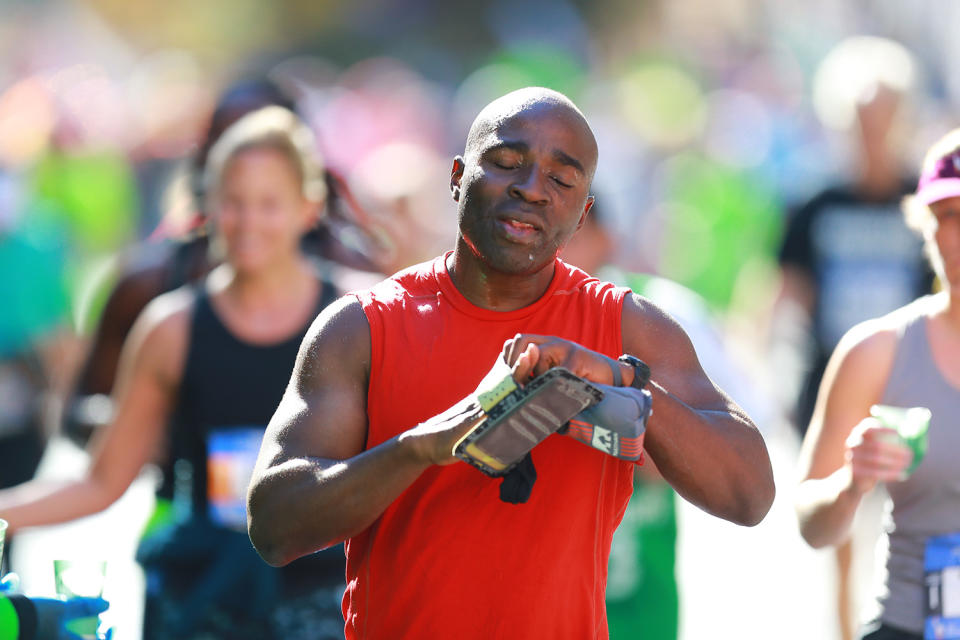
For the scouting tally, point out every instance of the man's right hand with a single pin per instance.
(432, 441)
(874, 454)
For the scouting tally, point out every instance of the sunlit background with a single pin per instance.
(712, 124)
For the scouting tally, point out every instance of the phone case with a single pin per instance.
(524, 419)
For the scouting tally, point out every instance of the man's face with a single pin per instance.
(523, 188)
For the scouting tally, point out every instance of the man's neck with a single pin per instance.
(494, 290)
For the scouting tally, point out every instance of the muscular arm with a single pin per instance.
(837, 469)
(314, 484)
(704, 445)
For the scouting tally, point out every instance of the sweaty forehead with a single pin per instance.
(550, 121)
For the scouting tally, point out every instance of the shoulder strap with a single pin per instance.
(911, 344)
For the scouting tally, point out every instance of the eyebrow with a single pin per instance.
(568, 160)
(522, 147)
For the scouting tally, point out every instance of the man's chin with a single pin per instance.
(516, 263)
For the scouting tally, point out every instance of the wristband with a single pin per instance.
(496, 385)
(617, 424)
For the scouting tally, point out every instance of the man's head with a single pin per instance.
(523, 182)
(862, 87)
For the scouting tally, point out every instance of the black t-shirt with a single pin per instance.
(863, 262)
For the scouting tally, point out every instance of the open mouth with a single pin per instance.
(520, 226)
(517, 231)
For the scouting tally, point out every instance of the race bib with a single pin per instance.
(231, 456)
(941, 565)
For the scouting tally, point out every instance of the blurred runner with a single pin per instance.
(215, 358)
(847, 255)
(907, 358)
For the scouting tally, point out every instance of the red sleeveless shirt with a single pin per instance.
(448, 558)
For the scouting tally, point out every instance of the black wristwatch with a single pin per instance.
(641, 371)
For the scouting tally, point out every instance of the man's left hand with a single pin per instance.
(532, 355)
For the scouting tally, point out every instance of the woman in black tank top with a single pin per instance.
(202, 372)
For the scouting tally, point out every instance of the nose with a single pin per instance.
(529, 185)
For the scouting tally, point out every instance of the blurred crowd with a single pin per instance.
(717, 122)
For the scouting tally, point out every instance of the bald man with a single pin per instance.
(360, 446)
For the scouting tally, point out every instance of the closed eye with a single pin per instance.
(561, 182)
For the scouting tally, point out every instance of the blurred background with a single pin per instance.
(715, 120)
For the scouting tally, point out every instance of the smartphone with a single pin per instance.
(525, 418)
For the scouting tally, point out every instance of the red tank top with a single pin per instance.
(449, 559)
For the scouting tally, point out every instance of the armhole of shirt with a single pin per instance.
(620, 298)
(913, 328)
(196, 292)
(371, 310)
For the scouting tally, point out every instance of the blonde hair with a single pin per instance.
(274, 128)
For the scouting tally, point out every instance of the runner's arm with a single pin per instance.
(703, 444)
(315, 483)
(843, 454)
(150, 363)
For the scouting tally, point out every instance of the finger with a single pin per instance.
(526, 363)
(545, 361)
(510, 351)
(880, 458)
(878, 468)
(534, 338)
(881, 434)
(519, 343)
(864, 469)
(888, 453)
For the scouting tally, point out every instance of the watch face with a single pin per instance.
(641, 371)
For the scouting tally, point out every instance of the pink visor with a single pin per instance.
(942, 181)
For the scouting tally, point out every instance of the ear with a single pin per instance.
(456, 174)
(586, 210)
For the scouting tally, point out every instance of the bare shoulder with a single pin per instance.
(323, 412)
(336, 346)
(648, 330)
(870, 347)
(863, 359)
(654, 336)
(160, 335)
